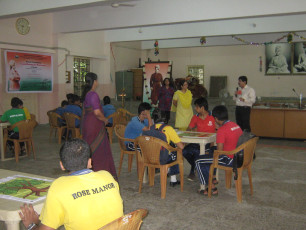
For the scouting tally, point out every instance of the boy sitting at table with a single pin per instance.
(201, 122)
(227, 137)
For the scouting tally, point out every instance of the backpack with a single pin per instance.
(238, 157)
(158, 133)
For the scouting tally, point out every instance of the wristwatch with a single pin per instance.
(31, 226)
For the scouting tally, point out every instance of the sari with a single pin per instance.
(183, 109)
(94, 133)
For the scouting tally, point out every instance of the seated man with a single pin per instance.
(75, 109)
(227, 138)
(201, 122)
(174, 138)
(14, 115)
(81, 200)
(61, 110)
(108, 110)
(138, 124)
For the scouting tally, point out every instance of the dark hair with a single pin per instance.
(106, 100)
(75, 98)
(69, 96)
(181, 83)
(143, 106)
(74, 154)
(89, 80)
(220, 112)
(15, 102)
(170, 81)
(201, 102)
(244, 79)
(64, 103)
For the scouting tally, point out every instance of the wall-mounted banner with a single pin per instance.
(28, 72)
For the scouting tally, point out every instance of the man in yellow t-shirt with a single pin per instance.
(82, 200)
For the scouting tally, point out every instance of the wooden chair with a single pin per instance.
(248, 148)
(25, 135)
(55, 124)
(110, 130)
(33, 119)
(119, 130)
(70, 119)
(123, 116)
(131, 221)
(149, 157)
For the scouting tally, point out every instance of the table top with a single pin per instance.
(196, 137)
(4, 124)
(9, 208)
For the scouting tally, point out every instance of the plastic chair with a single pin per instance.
(123, 116)
(25, 135)
(249, 149)
(55, 124)
(119, 130)
(150, 157)
(70, 119)
(111, 129)
(131, 221)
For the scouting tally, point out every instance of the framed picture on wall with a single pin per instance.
(196, 71)
(299, 58)
(154, 73)
(278, 59)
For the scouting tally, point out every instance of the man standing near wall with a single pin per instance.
(245, 97)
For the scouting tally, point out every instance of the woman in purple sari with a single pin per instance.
(93, 127)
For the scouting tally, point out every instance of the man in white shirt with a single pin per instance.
(245, 97)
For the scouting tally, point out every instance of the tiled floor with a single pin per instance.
(278, 202)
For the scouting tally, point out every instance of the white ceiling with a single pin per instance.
(175, 23)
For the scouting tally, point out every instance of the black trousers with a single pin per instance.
(243, 117)
(166, 115)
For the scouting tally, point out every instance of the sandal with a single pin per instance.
(214, 192)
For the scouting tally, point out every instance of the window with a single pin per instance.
(196, 71)
(81, 66)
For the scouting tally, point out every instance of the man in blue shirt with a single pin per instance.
(108, 110)
(60, 111)
(138, 124)
(75, 109)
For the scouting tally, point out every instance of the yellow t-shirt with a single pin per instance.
(170, 134)
(79, 202)
(27, 114)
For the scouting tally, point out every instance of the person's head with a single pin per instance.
(69, 97)
(201, 105)
(16, 103)
(76, 100)
(157, 68)
(75, 155)
(167, 82)
(278, 50)
(106, 100)
(64, 103)
(242, 81)
(183, 85)
(142, 108)
(91, 83)
(220, 114)
(12, 64)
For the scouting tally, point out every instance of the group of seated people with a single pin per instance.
(227, 137)
(17, 113)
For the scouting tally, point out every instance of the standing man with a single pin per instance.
(245, 97)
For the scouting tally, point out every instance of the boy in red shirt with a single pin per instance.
(227, 138)
(201, 122)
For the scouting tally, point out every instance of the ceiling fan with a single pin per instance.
(116, 5)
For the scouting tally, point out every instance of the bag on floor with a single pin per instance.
(158, 133)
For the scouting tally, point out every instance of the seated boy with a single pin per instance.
(61, 110)
(201, 122)
(138, 124)
(14, 115)
(174, 138)
(75, 109)
(108, 110)
(227, 138)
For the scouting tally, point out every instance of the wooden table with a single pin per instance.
(9, 208)
(2, 149)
